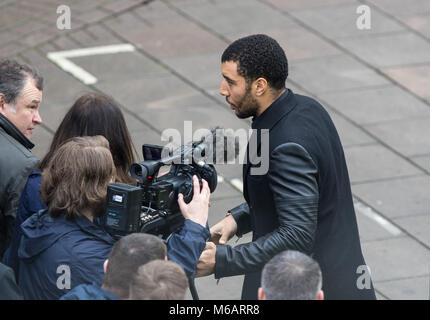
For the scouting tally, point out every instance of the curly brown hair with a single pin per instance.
(76, 177)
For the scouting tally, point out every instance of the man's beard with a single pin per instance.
(247, 106)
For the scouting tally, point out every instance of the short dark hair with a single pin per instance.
(97, 114)
(127, 255)
(159, 280)
(13, 76)
(291, 275)
(77, 177)
(259, 56)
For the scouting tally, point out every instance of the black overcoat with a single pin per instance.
(302, 202)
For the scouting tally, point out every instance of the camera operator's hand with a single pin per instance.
(197, 210)
(224, 230)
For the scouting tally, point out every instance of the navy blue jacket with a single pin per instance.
(57, 255)
(89, 292)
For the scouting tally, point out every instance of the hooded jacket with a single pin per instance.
(89, 292)
(57, 254)
(16, 163)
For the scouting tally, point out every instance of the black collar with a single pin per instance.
(13, 131)
(281, 106)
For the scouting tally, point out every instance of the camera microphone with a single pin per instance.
(219, 147)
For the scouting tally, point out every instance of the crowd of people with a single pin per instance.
(53, 242)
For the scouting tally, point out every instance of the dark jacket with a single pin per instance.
(8, 288)
(303, 202)
(16, 163)
(53, 249)
(89, 292)
(57, 255)
(29, 204)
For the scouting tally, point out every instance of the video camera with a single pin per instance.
(152, 206)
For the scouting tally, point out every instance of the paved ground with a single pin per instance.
(374, 83)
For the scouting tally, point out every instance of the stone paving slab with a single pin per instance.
(340, 21)
(416, 288)
(396, 258)
(233, 19)
(292, 5)
(334, 73)
(374, 105)
(306, 44)
(418, 226)
(423, 161)
(369, 230)
(350, 135)
(398, 7)
(405, 197)
(419, 22)
(166, 38)
(202, 69)
(376, 162)
(120, 66)
(414, 78)
(390, 49)
(410, 137)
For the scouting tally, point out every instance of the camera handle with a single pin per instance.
(193, 289)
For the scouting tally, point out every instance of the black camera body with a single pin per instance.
(152, 205)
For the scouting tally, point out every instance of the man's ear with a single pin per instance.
(261, 294)
(105, 264)
(320, 295)
(261, 86)
(2, 103)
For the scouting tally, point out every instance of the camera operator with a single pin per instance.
(62, 248)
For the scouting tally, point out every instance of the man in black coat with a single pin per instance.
(302, 199)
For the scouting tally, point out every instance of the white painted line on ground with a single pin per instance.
(384, 223)
(237, 183)
(220, 179)
(61, 58)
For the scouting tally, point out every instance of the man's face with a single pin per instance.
(237, 92)
(24, 114)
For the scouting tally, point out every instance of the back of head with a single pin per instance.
(291, 275)
(259, 56)
(13, 76)
(159, 280)
(76, 177)
(127, 255)
(97, 114)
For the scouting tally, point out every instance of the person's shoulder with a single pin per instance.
(13, 148)
(306, 100)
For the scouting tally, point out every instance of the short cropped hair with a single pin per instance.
(127, 255)
(13, 76)
(159, 280)
(259, 56)
(291, 275)
(77, 176)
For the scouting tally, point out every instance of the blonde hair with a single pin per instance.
(77, 176)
